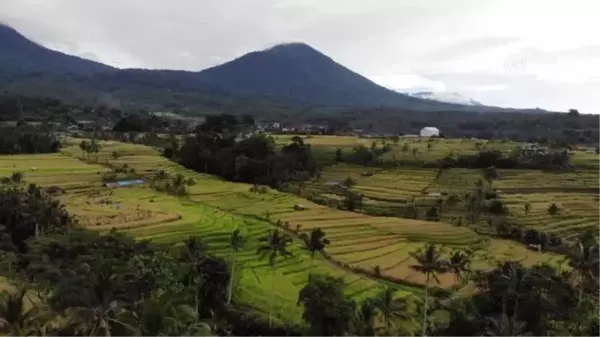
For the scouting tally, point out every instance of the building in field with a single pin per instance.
(430, 131)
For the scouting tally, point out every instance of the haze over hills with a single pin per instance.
(292, 73)
(444, 96)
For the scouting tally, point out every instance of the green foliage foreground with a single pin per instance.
(65, 280)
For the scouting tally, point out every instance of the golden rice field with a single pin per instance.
(576, 193)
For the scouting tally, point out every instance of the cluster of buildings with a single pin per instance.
(277, 127)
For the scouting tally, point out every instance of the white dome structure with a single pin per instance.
(430, 131)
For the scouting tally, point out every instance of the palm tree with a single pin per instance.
(365, 318)
(165, 314)
(194, 249)
(458, 264)
(512, 279)
(18, 320)
(584, 260)
(430, 263)
(178, 180)
(496, 328)
(315, 242)
(193, 252)
(84, 146)
(104, 318)
(274, 245)
(390, 308)
(236, 242)
(99, 307)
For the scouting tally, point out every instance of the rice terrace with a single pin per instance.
(368, 251)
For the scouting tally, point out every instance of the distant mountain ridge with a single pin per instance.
(291, 73)
(21, 54)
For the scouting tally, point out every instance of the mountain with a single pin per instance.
(444, 96)
(22, 55)
(292, 74)
(297, 72)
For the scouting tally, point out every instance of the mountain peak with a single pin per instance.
(292, 47)
(295, 50)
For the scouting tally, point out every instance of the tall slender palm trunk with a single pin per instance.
(503, 312)
(230, 294)
(312, 257)
(271, 299)
(425, 307)
(580, 297)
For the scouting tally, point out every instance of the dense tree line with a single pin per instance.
(224, 146)
(27, 139)
(545, 128)
(541, 158)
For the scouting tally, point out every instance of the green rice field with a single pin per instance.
(214, 208)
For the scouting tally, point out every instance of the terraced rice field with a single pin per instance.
(576, 193)
(397, 237)
(215, 207)
(147, 214)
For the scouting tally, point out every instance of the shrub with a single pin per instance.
(349, 182)
(497, 207)
(16, 177)
(553, 209)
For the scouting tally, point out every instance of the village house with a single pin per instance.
(430, 131)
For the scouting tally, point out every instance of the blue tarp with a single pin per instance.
(124, 183)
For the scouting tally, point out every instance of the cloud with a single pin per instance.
(409, 83)
(541, 52)
(486, 88)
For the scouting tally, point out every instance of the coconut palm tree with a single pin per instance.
(273, 245)
(236, 242)
(511, 278)
(105, 319)
(166, 314)
(193, 252)
(84, 146)
(458, 264)
(430, 263)
(19, 319)
(390, 309)
(365, 318)
(161, 175)
(194, 249)
(495, 328)
(97, 307)
(315, 242)
(584, 260)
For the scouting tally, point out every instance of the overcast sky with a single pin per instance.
(516, 53)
